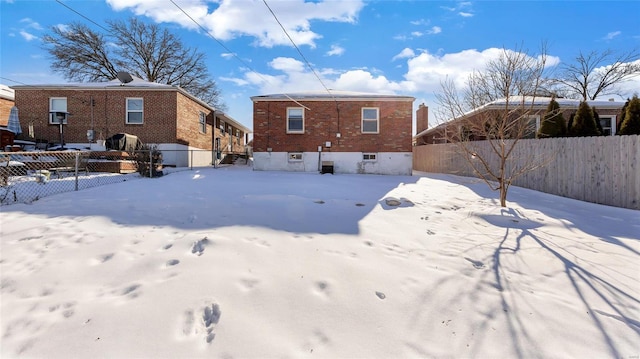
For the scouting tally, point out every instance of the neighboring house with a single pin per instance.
(608, 111)
(6, 103)
(353, 132)
(159, 114)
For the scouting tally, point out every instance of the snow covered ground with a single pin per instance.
(232, 263)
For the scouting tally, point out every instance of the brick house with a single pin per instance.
(6, 103)
(355, 132)
(608, 111)
(159, 114)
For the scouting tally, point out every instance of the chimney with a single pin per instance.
(422, 118)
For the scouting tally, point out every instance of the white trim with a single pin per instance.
(51, 109)
(202, 122)
(295, 156)
(377, 120)
(369, 156)
(127, 111)
(301, 131)
(535, 130)
(613, 119)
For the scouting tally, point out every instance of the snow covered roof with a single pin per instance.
(7, 92)
(137, 83)
(332, 95)
(535, 102)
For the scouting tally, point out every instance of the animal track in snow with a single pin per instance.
(476, 264)
(209, 316)
(198, 246)
(172, 262)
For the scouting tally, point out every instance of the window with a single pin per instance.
(532, 127)
(222, 127)
(369, 156)
(203, 122)
(57, 104)
(135, 110)
(608, 124)
(370, 120)
(295, 156)
(295, 120)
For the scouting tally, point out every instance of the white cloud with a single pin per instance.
(465, 14)
(235, 18)
(421, 22)
(404, 54)
(27, 36)
(435, 30)
(30, 23)
(417, 34)
(336, 50)
(227, 55)
(612, 35)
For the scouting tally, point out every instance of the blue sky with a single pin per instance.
(402, 47)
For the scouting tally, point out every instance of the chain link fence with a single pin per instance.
(28, 176)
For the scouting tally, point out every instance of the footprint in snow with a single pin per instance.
(198, 246)
(202, 322)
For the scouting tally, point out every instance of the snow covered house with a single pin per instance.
(164, 115)
(608, 112)
(6, 103)
(334, 131)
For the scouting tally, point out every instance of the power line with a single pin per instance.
(228, 50)
(87, 18)
(297, 48)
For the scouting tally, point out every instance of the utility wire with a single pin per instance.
(297, 48)
(308, 64)
(229, 51)
(88, 19)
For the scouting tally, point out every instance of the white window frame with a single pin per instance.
(60, 108)
(526, 133)
(294, 156)
(202, 121)
(295, 131)
(613, 119)
(131, 111)
(370, 156)
(363, 120)
(223, 127)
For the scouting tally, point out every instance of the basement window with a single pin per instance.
(295, 156)
(369, 156)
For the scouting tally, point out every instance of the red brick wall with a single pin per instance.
(321, 123)
(109, 113)
(188, 124)
(422, 118)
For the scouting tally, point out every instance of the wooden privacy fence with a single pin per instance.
(603, 170)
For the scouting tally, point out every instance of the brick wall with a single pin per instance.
(422, 118)
(321, 123)
(109, 112)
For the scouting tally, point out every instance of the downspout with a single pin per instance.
(213, 140)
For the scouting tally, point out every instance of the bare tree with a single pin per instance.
(144, 50)
(492, 113)
(597, 73)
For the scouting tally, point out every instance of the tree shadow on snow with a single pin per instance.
(585, 283)
(212, 198)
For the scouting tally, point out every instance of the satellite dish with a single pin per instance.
(124, 77)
